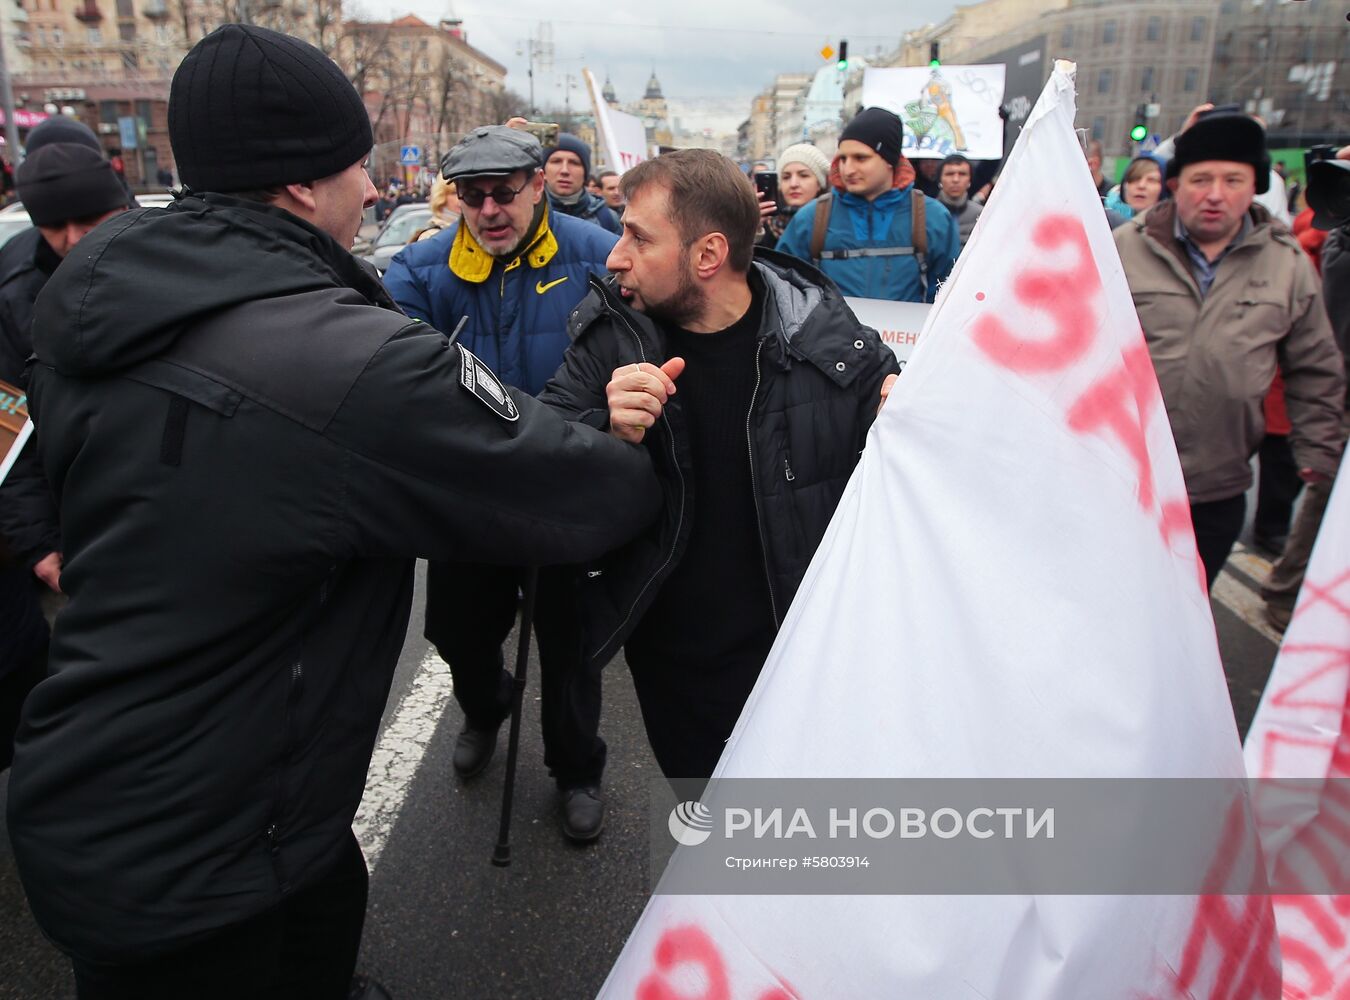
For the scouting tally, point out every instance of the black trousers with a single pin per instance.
(304, 949)
(690, 707)
(14, 688)
(471, 609)
(1279, 486)
(1217, 525)
(23, 646)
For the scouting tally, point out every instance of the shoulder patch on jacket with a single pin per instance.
(479, 380)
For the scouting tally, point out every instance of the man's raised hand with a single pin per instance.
(637, 393)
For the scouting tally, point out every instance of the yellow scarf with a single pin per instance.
(470, 262)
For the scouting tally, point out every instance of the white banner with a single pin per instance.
(899, 323)
(1041, 615)
(1300, 732)
(945, 109)
(622, 135)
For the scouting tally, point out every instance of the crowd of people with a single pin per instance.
(646, 391)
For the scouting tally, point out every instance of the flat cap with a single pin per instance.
(492, 151)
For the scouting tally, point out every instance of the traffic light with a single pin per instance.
(1140, 130)
(843, 53)
(933, 55)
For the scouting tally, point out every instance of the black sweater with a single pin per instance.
(715, 605)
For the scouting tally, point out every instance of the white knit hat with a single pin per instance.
(808, 156)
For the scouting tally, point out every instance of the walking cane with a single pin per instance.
(501, 854)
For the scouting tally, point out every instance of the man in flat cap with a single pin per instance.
(515, 268)
(1224, 294)
(249, 445)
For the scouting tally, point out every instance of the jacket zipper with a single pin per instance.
(272, 832)
(754, 486)
(675, 463)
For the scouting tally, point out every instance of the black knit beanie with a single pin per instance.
(253, 108)
(59, 128)
(878, 129)
(62, 181)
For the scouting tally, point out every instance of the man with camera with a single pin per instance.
(514, 268)
(1329, 197)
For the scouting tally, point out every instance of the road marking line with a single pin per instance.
(1255, 566)
(399, 754)
(1244, 602)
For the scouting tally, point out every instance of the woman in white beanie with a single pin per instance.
(802, 176)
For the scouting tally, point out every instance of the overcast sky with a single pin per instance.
(711, 56)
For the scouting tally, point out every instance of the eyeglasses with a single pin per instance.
(503, 195)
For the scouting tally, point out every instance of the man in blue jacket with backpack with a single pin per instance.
(875, 234)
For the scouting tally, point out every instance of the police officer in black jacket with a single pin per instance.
(249, 444)
(67, 187)
(753, 385)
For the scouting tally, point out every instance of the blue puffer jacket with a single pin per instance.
(517, 308)
(856, 223)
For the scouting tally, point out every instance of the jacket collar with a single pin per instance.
(885, 201)
(346, 269)
(1160, 223)
(801, 313)
(470, 262)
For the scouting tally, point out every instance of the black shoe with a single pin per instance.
(474, 749)
(365, 988)
(583, 813)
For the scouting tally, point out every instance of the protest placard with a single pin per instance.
(15, 427)
(944, 109)
(622, 135)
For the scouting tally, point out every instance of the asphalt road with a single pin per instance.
(443, 923)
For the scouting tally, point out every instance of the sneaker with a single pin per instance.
(474, 748)
(583, 813)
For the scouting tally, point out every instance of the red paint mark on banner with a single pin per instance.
(1118, 405)
(1068, 295)
(1316, 975)
(1233, 937)
(1314, 594)
(686, 945)
(1323, 920)
(690, 946)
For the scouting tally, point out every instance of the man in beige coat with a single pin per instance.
(1224, 294)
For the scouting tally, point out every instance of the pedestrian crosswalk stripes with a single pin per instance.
(1234, 591)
